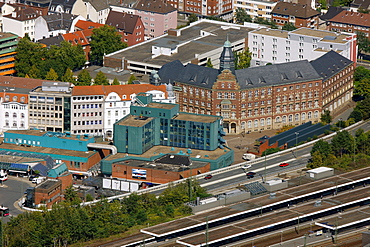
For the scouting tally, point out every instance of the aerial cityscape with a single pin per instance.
(184, 123)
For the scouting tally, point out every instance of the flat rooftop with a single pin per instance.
(46, 151)
(156, 150)
(265, 200)
(161, 106)
(160, 166)
(50, 134)
(18, 159)
(134, 121)
(190, 43)
(272, 32)
(341, 38)
(196, 118)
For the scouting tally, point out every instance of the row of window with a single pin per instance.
(14, 106)
(14, 115)
(45, 122)
(92, 122)
(15, 124)
(87, 106)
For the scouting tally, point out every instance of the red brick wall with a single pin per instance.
(154, 175)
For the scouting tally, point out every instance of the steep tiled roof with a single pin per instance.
(99, 4)
(119, 89)
(158, 6)
(122, 21)
(56, 40)
(18, 95)
(332, 11)
(353, 18)
(67, 5)
(59, 21)
(83, 25)
(19, 82)
(329, 64)
(24, 14)
(294, 9)
(75, 38)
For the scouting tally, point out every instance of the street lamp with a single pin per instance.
(296, 140)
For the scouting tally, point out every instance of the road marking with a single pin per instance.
(243, 174)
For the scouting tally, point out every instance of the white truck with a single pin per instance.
(248, 156)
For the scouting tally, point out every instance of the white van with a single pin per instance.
(248, 156)
(38, 180)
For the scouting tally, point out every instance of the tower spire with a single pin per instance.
(227, 57)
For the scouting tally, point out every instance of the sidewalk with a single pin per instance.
(241, 144)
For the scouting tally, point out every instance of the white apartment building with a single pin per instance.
(255, 8)
(279, 46)
(13, 109)
(95, 109)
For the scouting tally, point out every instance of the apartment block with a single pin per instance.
(279, 46)
(256, 8)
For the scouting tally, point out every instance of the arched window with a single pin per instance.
(268, 122)
(242, 125)
(22, 115)
(249, 124)
(256, 123)
(277, 120)
(14, 124)
(14, 115)
(284, 119)
(309, 115)
(296, 117)
(6, 114)
(316, 114)
(303, 116)
(290, 118)
(262, 122)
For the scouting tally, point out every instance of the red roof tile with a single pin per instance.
(83, 25)
(20, 82)
(353, 18)
(119, 89)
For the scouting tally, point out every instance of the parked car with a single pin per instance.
(250, 174)
(283, 164)
(208, 177)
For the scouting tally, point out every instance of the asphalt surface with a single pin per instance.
(11, 191)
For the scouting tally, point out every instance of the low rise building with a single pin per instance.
(48, 193)
(195, 44)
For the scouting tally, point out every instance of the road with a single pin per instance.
(11, 191)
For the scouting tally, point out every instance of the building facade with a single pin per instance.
(95, 109)
(257, 98)
(8, 45)
(256, 8)
(279, 46)
(157, 16)
(50, 107)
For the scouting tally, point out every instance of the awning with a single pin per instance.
(41, 168)
(80, 173)
(19, 167)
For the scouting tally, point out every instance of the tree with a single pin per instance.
(34, 73)
(356, 115)
(209, 63)
(83, 78)
(115, 82)
(101, 79)
(362, 88)
(342, 143)
(28, 54)
(104, 40)
(289, 27)
(131, 79)
(192, 18)
(322, 147)
(326, 117)
(241, 16)
(363, 43)
(360, 73)
(70, 195)
(243, 59)
(51, 75)
(323, 4)
(364, 107)
(68, 76)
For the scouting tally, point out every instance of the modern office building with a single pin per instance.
(195, 44)
(154, 131)
(50, 107)
(279, 46)
(262, 97)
